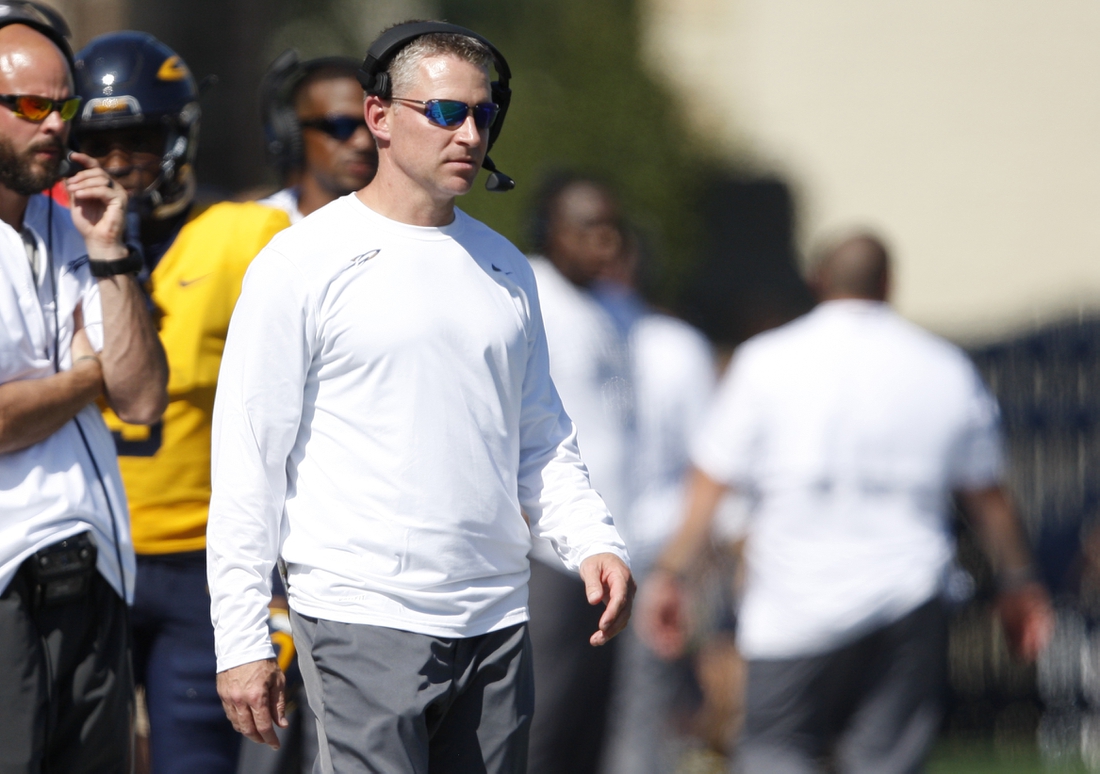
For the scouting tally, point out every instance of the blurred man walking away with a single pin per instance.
(316, 137)
(140, 119)
(73, 331)
(851, 429)
(673, 374)
(385, 418)
(578, 233)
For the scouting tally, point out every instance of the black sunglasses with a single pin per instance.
(451, 112)
(338, 127)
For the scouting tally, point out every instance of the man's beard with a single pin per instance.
(19, 172)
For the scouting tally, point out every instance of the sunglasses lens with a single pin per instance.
(69, 108)
(485, 114)
(34, 108)
(446, 112)
(343, 128)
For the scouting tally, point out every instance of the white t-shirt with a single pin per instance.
(285, 200)
(849, 428)
(674, 376)
(384, 412)
(51, 490)
(591, 370)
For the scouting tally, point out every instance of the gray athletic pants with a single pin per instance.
(394, 702)
(874, 705)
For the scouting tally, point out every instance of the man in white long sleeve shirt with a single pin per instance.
(385, 418)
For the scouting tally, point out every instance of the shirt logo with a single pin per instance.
(185, 283)
(497, 268)
(359, 260)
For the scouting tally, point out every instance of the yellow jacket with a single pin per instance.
(166, 467)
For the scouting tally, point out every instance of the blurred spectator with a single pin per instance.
(673, 372)
(850, 428)
(75, 330)
(317, 139)
(140, 121)
(577, 231)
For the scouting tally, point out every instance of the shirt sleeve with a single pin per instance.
(257, 413)
(728, 440)
(554, 488)
(977, 459)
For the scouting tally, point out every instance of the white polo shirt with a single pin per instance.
(51, 490)
(674, 379)
(849, 428)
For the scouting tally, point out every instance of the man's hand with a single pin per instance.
(1028, 620)
(253, 698)
(98, 210)
(607, 579)
(662, 620)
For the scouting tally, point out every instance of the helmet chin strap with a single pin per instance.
(152, 200)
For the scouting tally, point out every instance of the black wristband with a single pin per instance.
(131, 263)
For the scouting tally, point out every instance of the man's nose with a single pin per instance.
(362, 139)
(468, 133)
(117, 162)
(53, 123)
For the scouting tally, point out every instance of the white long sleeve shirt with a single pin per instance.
(849, 428)
(52, 490)
(384, 411)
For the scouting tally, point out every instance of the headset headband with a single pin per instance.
(375, 80)
(41, 18)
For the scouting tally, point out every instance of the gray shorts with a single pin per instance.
(873, 706)
(395, 702)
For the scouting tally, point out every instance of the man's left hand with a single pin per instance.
(98, 209)
(1028, 620)
(607, 579)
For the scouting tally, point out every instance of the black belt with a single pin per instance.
(61, 572)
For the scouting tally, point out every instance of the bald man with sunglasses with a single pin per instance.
(73, 329)
(385, 421)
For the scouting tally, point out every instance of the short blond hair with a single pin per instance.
(402, 68)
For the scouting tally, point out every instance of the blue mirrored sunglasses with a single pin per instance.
(451, 112)
(338, 127)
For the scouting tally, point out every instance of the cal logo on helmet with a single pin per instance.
(173, 69)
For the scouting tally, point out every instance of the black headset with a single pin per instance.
(375, 79)
(282, 132)
(41, 17)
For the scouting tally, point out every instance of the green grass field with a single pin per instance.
(978, 758)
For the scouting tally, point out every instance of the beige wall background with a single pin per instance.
(967, 132)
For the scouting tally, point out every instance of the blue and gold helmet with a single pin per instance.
(128, 79)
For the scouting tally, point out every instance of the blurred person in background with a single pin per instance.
(386, 407)
(673, 374)
(316, 137)
(578, 237)
(75, 329)
(140, 120)
(850, 429)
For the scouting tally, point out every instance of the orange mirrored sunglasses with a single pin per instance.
(36, 109)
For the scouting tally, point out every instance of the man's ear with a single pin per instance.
(377, 113)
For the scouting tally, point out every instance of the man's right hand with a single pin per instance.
(662, 622)
(254, 700)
